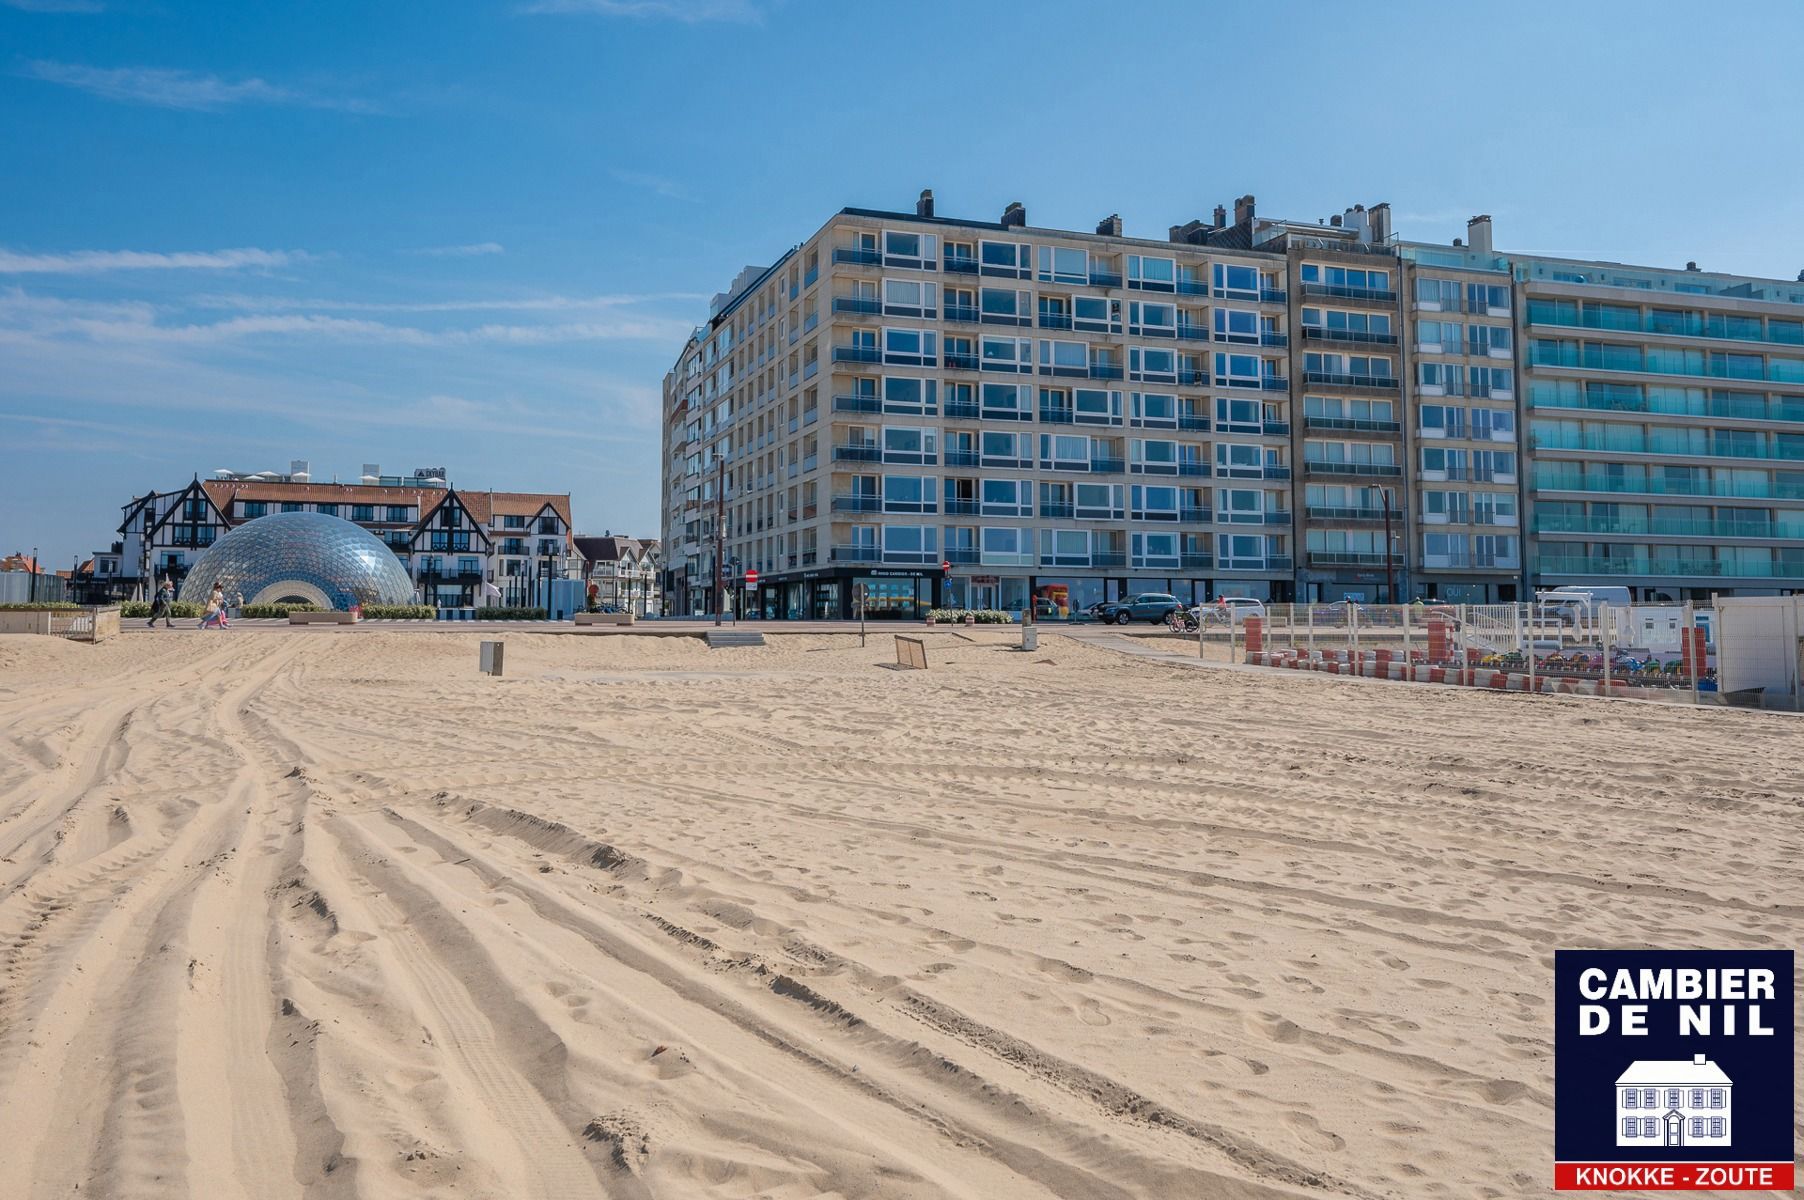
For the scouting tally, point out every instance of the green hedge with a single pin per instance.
(40, 606)
(956, 616)
(141, 609)
(277, 610)
(499, 613)
(399, 612)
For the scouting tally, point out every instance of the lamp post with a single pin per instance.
(1390, 569)
(720, 536)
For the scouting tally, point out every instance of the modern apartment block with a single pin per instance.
(951, 412)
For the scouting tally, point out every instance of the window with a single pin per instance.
(1006, 545)
(1237, 370)
(1238, 460)
(1441, 379)
(1236, 325)
(1005, 306)
(1346, 280)
(1649, 1098)
(910, 347)
(1005, 449)
(918, 250)
(1007, 259)
(910, 543)
(1489, 339)
(1498, 424)
(1152, 319)
(1437, 295)
(1494, 508)
(907, 493)
(1716, 1097)
(1650, 1127)
(1065, 358)
(1152, 274)
(1007, 498)
(1063, 451)
(1093, 314)
(1672, 1097)
(1492, 381)
(1155, 549)
(902, 444)
(1236, 283)
(331, 510)
(511, 521)
(1061, 265)
(1007, 354)
(1095, 407)
(1628, 1101)
(909, 298)
(1491, 298)
(903, 394)
(1149, 364)
(1155, 408)
(290, 506)
(1007, 401)
(364, 512)
(253, 508)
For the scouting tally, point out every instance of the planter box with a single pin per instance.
(589, 618)
(321, 618)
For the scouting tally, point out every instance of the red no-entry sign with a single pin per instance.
(751, 577)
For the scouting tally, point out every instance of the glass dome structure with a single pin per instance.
(305, 556)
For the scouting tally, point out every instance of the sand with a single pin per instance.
(330, 915)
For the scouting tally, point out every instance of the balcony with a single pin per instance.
(859, 502)
(959, 265)
(1317, 333)
(962, 554)
(961, 458)
(858, 404)
(964, 314)
(1351, 425)
(1192, 377)
(1338, 292)
(1191, 514)
(958, 361)
(1274, 383)
(1272, 471)
(856, 554)
(858, 452)
(857, 304)
(1104, 279)
(1350, 383)
(1348, 516)
(1348, 558)
(1617, 527)
(1192, 423)
(1050, 415)
(1275, 428)
(1108, 466)
(1058, 510)
(1316, 467)
(1278, 340)
(859, 256)
(1193, 287)
(1193, 333)
(961, 410)
(1108, 558)
(1705, 568)
(1051, 320)
(1273, 296)
(1596, 399)
(1105, 370)
(1196, 562)
(857, 354)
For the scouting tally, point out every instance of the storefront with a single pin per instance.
(829, 594)
(910, 593)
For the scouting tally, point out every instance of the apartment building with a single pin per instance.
(947, 412)
(463, 549)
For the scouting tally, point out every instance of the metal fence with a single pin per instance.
(25, 587)
(1664, 652)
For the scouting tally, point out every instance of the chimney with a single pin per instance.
(1478, 233)
(1110, 226)
(1243, 210)
(1381, 223)
(1014, 215)
(1334, 221)
(1697, 1060)
(924, 205)
(1691, 266)
(1221, 217)
(1193, 232)
(1458, 242)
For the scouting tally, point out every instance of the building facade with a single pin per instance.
(462, 549)
(626, 572)
(936, 412)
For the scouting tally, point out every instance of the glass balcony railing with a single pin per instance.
(964, 314)
(1107, 465)
(857, 304)
(1318, 333)
(860, 502)
(959, 265)
(1717, 327)
(1611, 398)
(857, 354)
(858, 404)
(1352, 424)
(1340, 292)
(1380, 470)
(1591, 356)
(1709, 568)
(960, 361)
(1616, 527)
(857, 255)
(1341, 379)
(1330, 512)
(1676, 485)
(1349, 558)
(1790, 452)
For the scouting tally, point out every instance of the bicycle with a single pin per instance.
(1179, 620)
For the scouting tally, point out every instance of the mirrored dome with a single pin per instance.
(305, 556)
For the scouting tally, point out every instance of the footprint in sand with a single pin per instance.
(1272, 1027)
(1393, 962)
(1091, 1013)
(1308, 1131)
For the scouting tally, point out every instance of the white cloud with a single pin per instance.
(474, 304)
(472, 250)
(89, 261)
(690, 12)
(656, 184)
(165, 88)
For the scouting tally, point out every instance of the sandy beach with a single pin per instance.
(306, 914)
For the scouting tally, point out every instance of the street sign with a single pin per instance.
(751, 577)
(946, 566)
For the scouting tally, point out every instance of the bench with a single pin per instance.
(911, 653)
(600, 618)
(719, 638)
(321, 618)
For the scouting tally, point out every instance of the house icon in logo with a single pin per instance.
(1661, 1102)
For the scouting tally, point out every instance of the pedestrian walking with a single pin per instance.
(215, 616)
(161, 606)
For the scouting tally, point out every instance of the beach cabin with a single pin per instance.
(1673, 1103)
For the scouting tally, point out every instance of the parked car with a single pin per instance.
(1147, 606)
(1235, 608)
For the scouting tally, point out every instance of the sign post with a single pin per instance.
(751, 586)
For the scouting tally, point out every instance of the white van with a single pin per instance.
(1237, 608)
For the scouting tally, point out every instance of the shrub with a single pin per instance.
(141, 609)
(40, 606)
(500, 613)
(956, 616)
(399, 612)
(277, 610)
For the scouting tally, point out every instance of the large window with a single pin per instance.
(1061, 265)
(911, 347)
(1237, 370)
(1006, 306)
(910, 298)
(1008, 354)
(1009, 259)
(1236, 283)
(1065, 357)
(1152, 274)
(1437, 295)
(918, 250)
(1237, 325)
(1007, 497)
(1064, 452)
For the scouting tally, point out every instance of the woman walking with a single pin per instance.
(215, 618)
(162, 606)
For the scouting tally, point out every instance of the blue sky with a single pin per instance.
(475, 234)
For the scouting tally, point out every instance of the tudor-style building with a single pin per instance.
(463, 549)
(623, 571)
